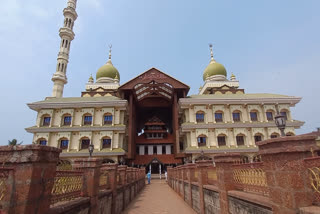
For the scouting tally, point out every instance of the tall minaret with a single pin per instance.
(67, 35)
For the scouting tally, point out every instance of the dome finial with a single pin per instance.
(211, 52)
(110, 47)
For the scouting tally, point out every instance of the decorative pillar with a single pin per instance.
(112, 176)
(160, 170)
(190, 172)
(122, 169)
(31, 174)
(225, 177)
(91, 169)
(286, 172)
(202, 167)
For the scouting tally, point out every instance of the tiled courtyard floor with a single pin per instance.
(158, 198)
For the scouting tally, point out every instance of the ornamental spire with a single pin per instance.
(110, 47)
(211, 53)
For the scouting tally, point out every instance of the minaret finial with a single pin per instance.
(110, 47)
(211, 51)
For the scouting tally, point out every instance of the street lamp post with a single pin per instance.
(281, 123)
(91, 147)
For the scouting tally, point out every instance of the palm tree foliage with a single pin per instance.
(14, 142)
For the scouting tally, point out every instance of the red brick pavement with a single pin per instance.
(158, 198)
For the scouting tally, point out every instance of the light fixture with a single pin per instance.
(91, 147)
(281, 123)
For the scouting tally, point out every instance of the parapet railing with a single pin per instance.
(250, 177)
(67, 186)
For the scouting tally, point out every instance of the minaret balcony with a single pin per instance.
(64, 31)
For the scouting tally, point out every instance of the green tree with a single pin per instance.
(14, 142)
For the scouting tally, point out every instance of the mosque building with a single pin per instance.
(151, 120)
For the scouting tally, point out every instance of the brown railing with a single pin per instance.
(67, 186)
(250, 178)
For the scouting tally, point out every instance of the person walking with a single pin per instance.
(149, 177)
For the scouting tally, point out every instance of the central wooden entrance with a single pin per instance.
(153, 128)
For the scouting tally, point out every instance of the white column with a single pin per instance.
(160, 170)
(141, 150)
(150, 168)
(150, 150)
(159, 150)
(168, 149)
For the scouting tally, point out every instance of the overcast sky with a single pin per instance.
(271, 46)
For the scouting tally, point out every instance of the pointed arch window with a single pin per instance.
(269, 115)
(240, 140)
(236, 116)
(221, 140)
(200, 117)
(107, 119)
(87, 119)
(202, 140)
(85, 142)
(46, 120)
(64, 144)
(106, 142)
(254, 116)
(275, 135)
(42, 142)
(284, 113)
(257, 137)
(218, 116)
(67, 120)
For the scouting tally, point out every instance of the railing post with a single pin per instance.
(191, 169)
(169, 175)
(91, 174)
(225, 177)
(122, 169)
(34, 169)
(112, 172)
(202, 167)
(287, 176)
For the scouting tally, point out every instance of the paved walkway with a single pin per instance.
(158, 198)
